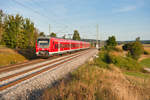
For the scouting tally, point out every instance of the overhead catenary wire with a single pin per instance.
(33, 10)
(65, 27)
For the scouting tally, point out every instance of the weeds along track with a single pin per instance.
(12, 78)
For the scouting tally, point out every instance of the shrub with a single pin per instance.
(135, 49)
(146, 52)
(127, 46)
(105, 58)
(126, 63)
(102, 60)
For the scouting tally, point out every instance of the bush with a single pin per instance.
(105, 58)
(102, 60)
(135, 49)
(127, 46)
(146, 52)
(126, 63)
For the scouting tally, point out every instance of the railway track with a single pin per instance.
(27, 63)
(24, 64)
(14, 77)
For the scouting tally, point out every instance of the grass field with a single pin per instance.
(138, 74)
(146, 62)
(146, 45)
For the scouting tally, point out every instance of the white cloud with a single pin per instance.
(131, 6)
(126, 9)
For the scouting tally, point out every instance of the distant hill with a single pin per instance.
(143, 42)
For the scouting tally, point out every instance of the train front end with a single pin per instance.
(43, 46)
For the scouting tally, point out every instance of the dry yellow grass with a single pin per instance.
(95, 83)
(146, 48)
(120, 51)
(143, 57)
(119, 46)
(10, 56)
(91, 82)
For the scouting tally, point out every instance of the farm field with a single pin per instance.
(147, 47)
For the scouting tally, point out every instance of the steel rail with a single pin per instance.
(3, 87)
(24, 64)
(28, 70)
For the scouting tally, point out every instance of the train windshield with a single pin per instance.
(43, 43)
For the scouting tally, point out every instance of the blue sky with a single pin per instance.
(126, 19)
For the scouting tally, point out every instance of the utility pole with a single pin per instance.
(49, 29)
(97, 30)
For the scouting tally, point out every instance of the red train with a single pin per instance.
(46, 46)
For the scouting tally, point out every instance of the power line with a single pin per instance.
(35, 11)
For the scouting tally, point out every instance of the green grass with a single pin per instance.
(146, 62)
(105, 58)
(137, 74)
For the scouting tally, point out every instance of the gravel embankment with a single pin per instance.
(33, 71)
(32, 88)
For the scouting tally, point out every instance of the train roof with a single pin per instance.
(60, 39)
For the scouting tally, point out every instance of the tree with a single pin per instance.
(42, 34)
(138, 39)
(111, 42)
(13, 31)
(76, 35)
(53, 34)
(135, 48)
(29, 36)
(1, 24)
(18, 32)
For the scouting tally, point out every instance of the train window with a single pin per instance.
(56, 46)
(43, 43)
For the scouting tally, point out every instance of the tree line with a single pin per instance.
(17, 32)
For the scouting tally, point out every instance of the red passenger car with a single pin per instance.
(46, 46)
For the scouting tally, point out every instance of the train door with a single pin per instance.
(58, 46)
